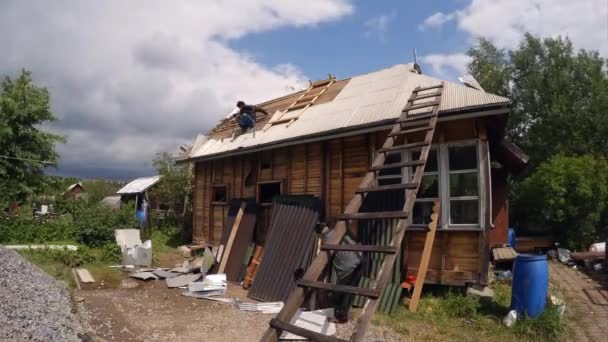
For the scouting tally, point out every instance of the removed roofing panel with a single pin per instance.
(138, 185)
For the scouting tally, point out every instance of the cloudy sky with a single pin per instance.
(129, 79)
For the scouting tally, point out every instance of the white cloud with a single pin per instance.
(504, 22)
(436, 20)
(446, 65)
(132, 78)
(378, 26)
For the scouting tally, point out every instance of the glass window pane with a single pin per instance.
(464, 212)
(463, 157)
(464, 184)
(422, 212)
(391, 159)
(431, 161)
(429, 187)
(389, 181)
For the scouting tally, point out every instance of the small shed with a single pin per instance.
(138, 190)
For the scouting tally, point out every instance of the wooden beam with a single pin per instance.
(229, 243)
(426, 256)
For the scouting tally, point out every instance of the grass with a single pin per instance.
(448, 314)
(59, 263)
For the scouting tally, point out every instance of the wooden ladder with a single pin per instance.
(305, 100)
(404, 126)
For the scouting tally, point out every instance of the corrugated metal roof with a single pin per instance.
(365, 100)
(138, 185)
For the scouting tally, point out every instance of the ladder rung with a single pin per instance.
(413, 130)
(425, 96)
(299, 105)
(403, 147)
(374, 215)
(421, 105)
(309, 97)
(312, 335)
(415, 117)
(361, 248)
(361, 291)
(387, 187)
(429, 88)
(396, 165)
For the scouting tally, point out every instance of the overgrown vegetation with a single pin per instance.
(560, 101)
(569, 196)
(449, 314)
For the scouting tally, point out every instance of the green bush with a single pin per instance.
(567, 197)
(27, 230)
(95, 223)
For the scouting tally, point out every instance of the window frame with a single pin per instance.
(259, 190)
(213, 189)
(443, 172)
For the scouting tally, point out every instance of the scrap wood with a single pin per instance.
(233, 232)
(504, 254)
(426, 256)
(253, 267)
(580, 256)
(84, 275)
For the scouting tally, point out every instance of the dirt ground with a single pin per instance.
(587, 307)
(153, 312)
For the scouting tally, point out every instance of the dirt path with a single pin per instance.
(152, 312)
(587, 303)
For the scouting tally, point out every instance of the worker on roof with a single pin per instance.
(245, 115)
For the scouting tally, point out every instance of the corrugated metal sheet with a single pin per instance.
(138, 185)
(365, 100)
(290, 246)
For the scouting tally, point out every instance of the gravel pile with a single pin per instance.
(33, 305)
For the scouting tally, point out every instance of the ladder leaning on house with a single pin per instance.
(406, 125)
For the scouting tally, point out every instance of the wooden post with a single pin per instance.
(235, 228)
(426, 256)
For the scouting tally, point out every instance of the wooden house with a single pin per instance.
(321, 141)
(74, 191)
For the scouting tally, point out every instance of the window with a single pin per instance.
(219, 193)
(428, 190)
(267, 191)
(452, 175)
(463, 190)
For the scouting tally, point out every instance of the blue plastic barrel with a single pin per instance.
(512, 237)
(530, 284)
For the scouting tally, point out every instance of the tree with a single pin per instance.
(25, 148)
(173, 185)
(560, 97)
(568, 197)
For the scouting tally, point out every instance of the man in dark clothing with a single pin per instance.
(347, 268)
(246, 115)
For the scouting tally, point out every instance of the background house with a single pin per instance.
(74, 191)
(325, 149)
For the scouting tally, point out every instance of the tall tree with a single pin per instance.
(25, 148)
(172, 188)
(560, 97)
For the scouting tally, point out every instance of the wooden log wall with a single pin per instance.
(332, 170)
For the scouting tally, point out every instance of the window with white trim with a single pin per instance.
(463, 191)
(452, 174)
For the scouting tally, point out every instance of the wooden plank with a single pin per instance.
(414, 130)
(360, 291)
(373, 215)
(360, 248)
(428, 88)
(404, 147)
(84, 275)
(398, 165)
(387, 188)
(426, 96)
(235, 228)
(312, 335)
(426, 255)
